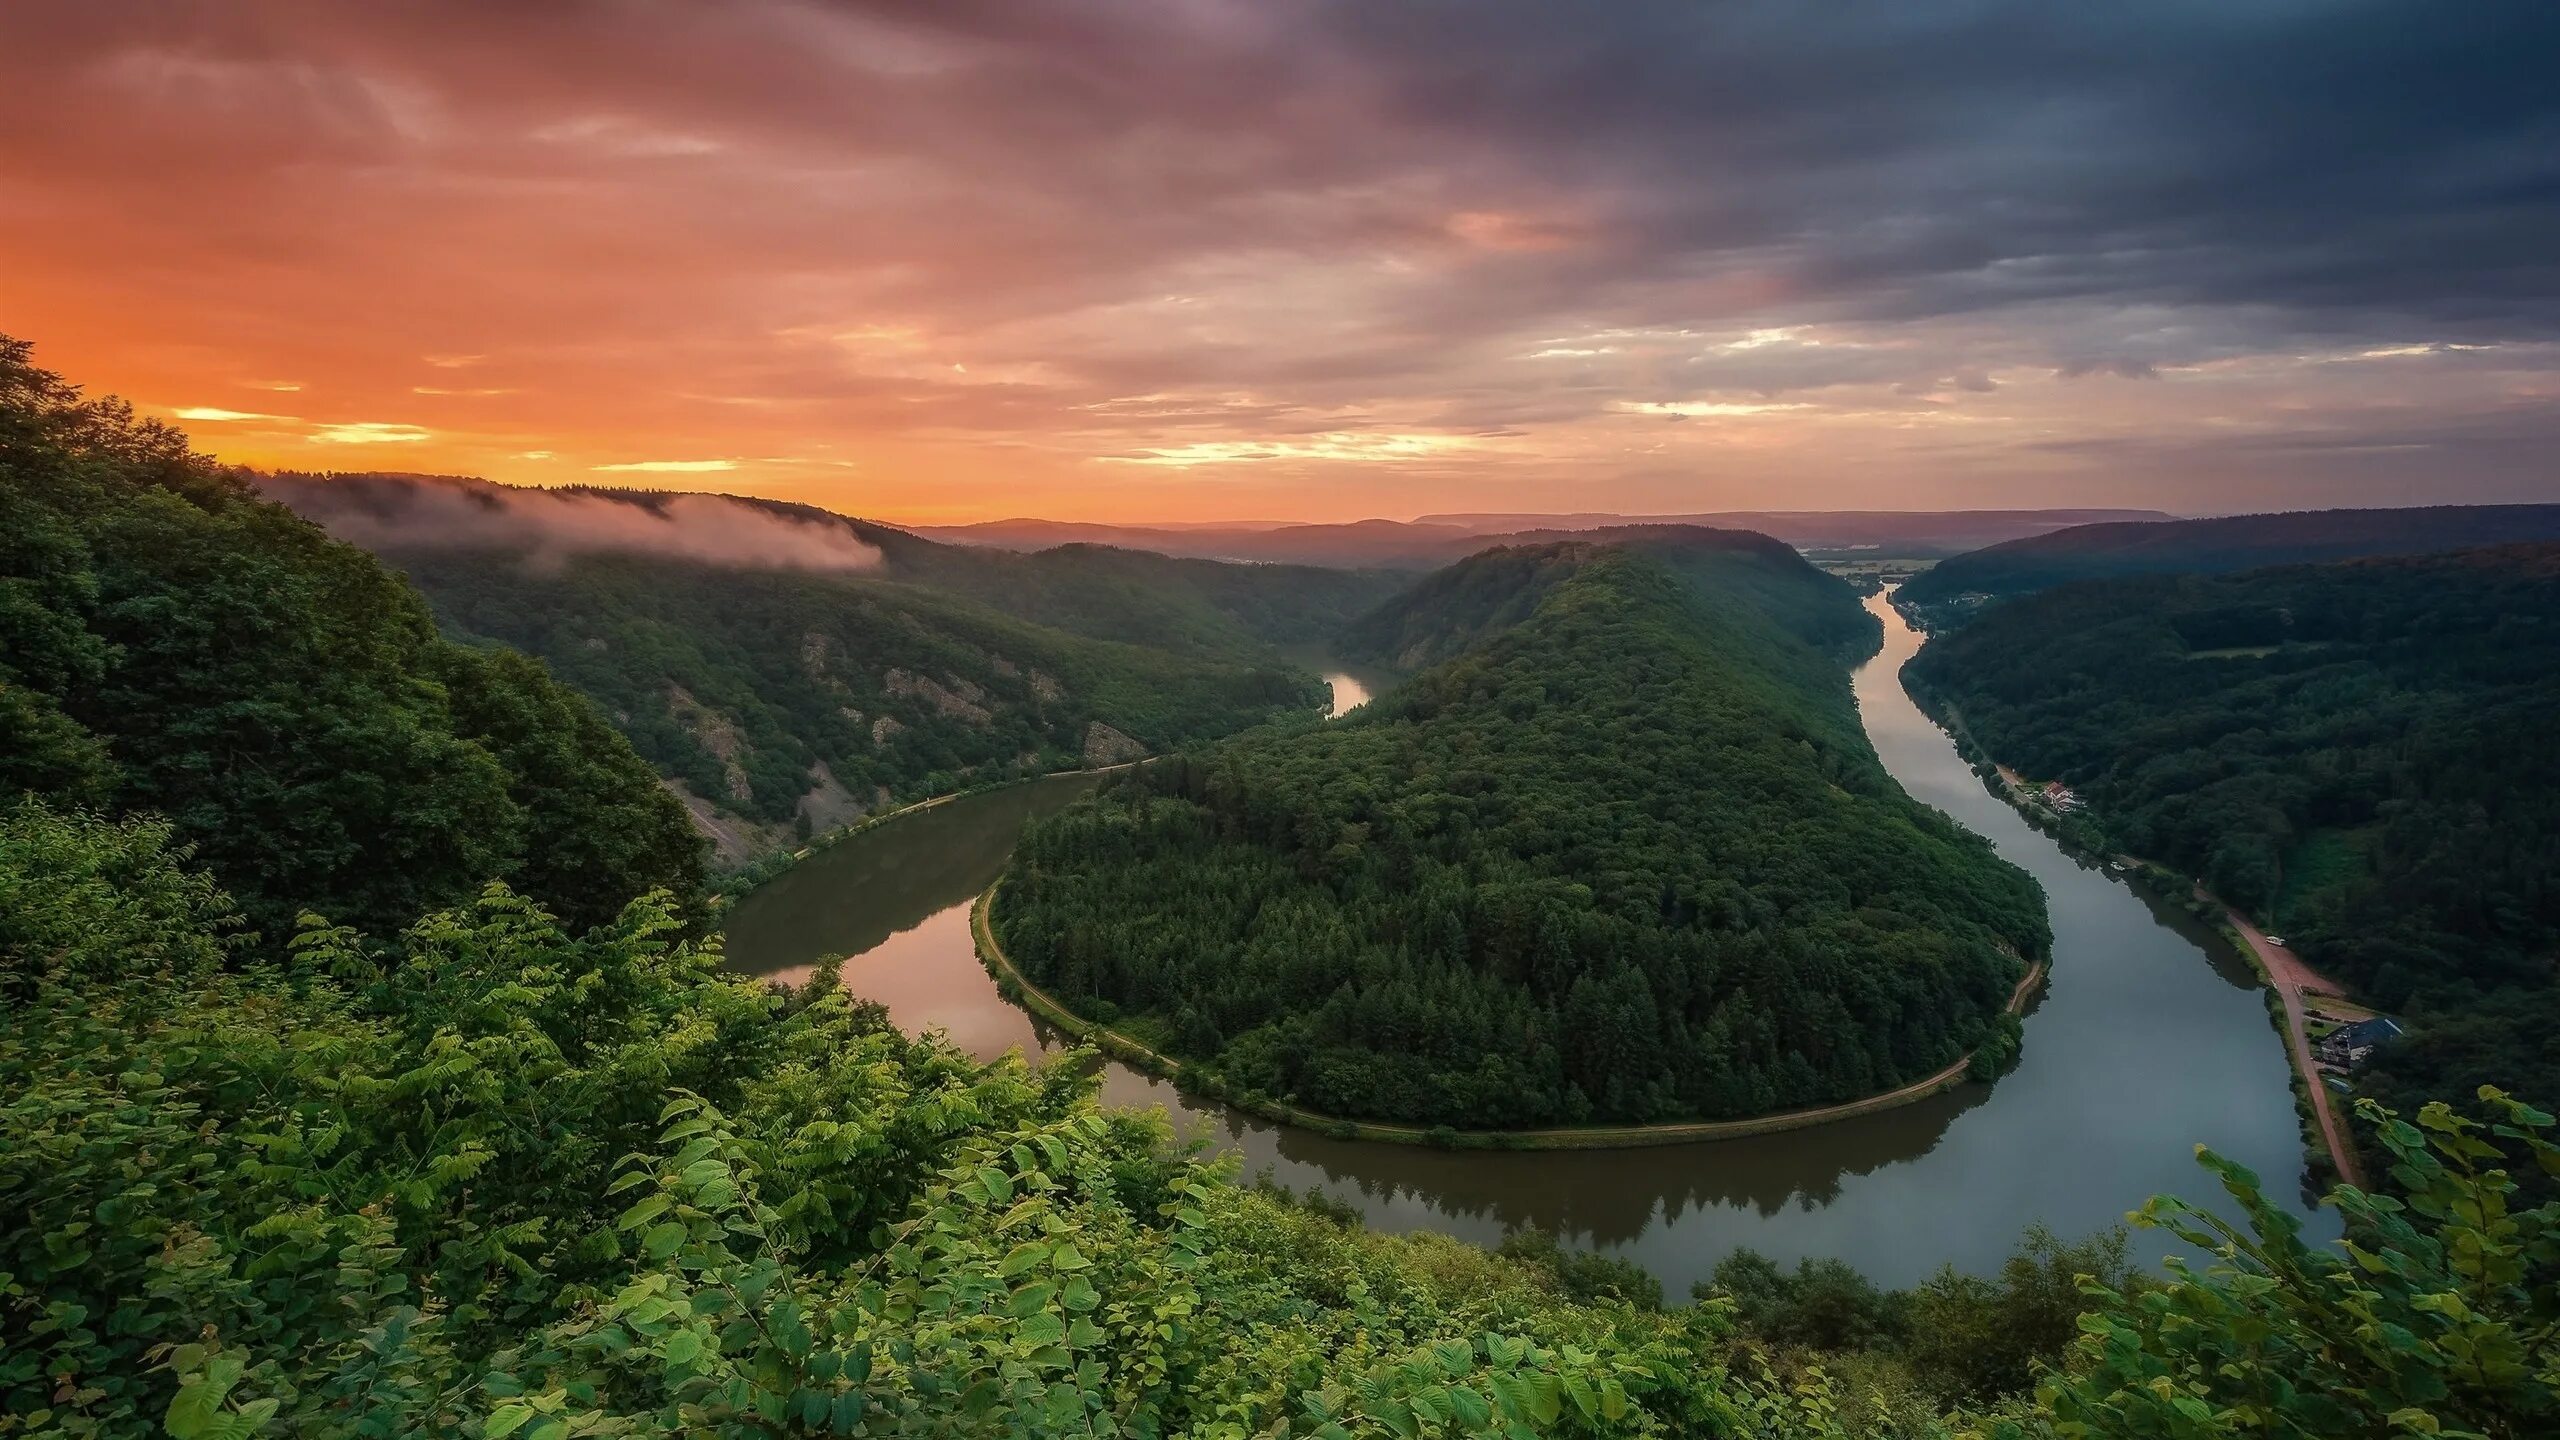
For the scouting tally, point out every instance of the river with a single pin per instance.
(2147, 1041)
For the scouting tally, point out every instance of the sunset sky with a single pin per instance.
(1195, 259)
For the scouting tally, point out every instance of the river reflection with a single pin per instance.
(2145, 1043)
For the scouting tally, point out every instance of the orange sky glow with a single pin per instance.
(1187, 262)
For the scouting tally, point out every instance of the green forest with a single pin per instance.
(2359, 753)
(1627, 858)
(492, 1146)
(171, 643)
(792, 700)
(1951, 591)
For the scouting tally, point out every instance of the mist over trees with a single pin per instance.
(171, 643)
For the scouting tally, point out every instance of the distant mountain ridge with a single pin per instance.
(1451, 610)
(787, 669)
(2215, 546)
(1435, 540)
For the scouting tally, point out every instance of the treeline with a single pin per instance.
(2359, 753)
(496, 1176)
(171, 643)
(741, 682)
(1948, 593)
(1628, 860)
(787, 700)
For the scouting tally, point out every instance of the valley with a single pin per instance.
(2144, 1021)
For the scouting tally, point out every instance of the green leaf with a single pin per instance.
(505, 1421)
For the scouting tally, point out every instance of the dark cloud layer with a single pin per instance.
(1934, 251)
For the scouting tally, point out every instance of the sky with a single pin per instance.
(947, 260)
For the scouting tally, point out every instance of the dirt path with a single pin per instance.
(2292, 980)
(1579, 1137)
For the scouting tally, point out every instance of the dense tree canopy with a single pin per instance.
(496, 1176)
(1627, 858)
(496, 1180)
(783, 696)
(2358, 752)
(1953, 589)
(171, 643)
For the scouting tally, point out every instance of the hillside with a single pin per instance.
(475, 1172)
(171, 644)
(1450, 610)
(2237, 542)
(2359, 752)
(1627, 857)
(791, 669)
(1435, 540)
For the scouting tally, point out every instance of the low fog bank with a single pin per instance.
(389, 513)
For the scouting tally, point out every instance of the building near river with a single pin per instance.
(2351, 1045)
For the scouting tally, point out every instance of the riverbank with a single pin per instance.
(744, 880)
(2326, 1140)
(1129, 1051)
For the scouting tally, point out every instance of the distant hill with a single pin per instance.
(172, 645)
(788, 669)
(1453, 609)
(1436, 540)
(2236, 542)
(1621, 852)
(2358, 752)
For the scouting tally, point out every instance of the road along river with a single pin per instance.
(2146, 1041)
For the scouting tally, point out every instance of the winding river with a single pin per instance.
(2147, 1041)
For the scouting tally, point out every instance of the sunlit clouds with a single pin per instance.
(1313, 259)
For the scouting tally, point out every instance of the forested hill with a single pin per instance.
(1454, 608)
(2359, 752)
(2237, 542)
(1627, 859)
(1188, 606)
(792, 669)
(172, 644)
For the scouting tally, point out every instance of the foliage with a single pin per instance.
(1629, 858)
(2441, 1317)
(1957, 1337)
(1953, 589)
(2361, 749)
(493, 1179)
(170, 643)
(798, 699)
(1587, 1276)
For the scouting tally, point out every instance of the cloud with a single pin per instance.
(369, 432)
(978, 246)
(671, 467)
(397, 513)
(214, 415)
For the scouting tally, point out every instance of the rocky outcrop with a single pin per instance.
(828, 804)
(734, 841)
(883, 728)
(957, 700)
(1106, 746)
(717, 734)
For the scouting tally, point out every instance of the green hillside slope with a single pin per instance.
(171, 643)
(1628, 859)
(787, 691)
(2358, 752)
(2237, 542)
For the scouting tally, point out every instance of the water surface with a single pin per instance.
(2145, 1042)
